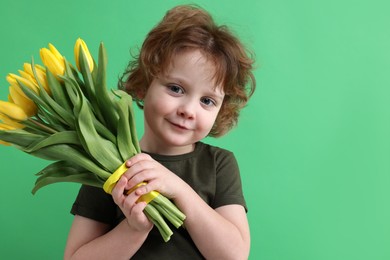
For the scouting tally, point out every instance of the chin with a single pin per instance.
(178, 142)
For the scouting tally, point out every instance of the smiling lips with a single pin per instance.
(179, 126)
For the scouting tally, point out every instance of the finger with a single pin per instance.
(139, 207)
(144, 189)
(130, 201)
(118, 191)
(137, 158)
(145, 176)
(137, 213)
(136, 166)
(139, 172)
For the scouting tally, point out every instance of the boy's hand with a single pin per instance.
(132, 210)
(143, 168)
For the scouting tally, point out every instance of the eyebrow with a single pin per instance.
(217, 95)
(176, 79)
(184, 82)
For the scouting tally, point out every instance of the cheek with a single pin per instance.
(206, 121)
(156, 105)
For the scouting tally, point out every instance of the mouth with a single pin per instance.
(182, 127)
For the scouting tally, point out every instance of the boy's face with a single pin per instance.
(180, 107)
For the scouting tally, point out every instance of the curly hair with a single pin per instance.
(190, 27)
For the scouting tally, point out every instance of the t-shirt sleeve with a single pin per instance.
(228, 182)
(94, 203)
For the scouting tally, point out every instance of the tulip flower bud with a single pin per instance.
(81, 44)
(52, 59)
(18, 98)
(13, 80)
(9, 124)
(27, 76)
(12, 111)
(40, 73)
(5, 127)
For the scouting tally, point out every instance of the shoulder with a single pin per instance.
(218, 153)
(204, 147)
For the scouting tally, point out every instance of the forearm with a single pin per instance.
(119, 243)
(214, 235)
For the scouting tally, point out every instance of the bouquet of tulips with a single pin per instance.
(66, 114)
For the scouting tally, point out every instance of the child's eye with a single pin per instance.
(208, 101)
(176, 89)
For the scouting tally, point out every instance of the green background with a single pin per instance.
(313, 144)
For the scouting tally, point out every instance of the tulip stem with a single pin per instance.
(42, 126)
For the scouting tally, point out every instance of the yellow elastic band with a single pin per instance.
(146, 197)
(113, 179)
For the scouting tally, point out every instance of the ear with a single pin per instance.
(140, 94)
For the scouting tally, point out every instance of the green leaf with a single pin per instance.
(36, 99)
(65, 137)
(73, 85)
(133, 128)
(103, 131)
(73, 90)
(57, 90)
(90, 94)
(46, 102)
(63, 171)
(72, 155)
(124, 137)
(19, 137)
(130, 118)
(104, 98)
(66, 115)
(35, 129)
(103, 151)
(75, 93)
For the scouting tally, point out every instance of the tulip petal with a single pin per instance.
(13, 111)
(15, 80)
(21, 100)
(55, 65)
(81, 46)
(39, 76)
(9, 124)
(56, 53)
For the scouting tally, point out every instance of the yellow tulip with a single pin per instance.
(80, 43)
(12, 111)
(10, 99)
(41, 75)
(52, 59)
(19, 90)
(9, 124)
(5, 127)
(17, 97)
(13, 80)
(27, 76)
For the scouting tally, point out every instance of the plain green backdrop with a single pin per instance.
(313, 143)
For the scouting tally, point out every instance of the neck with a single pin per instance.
(165, 150)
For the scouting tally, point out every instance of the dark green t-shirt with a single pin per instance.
(211, 171)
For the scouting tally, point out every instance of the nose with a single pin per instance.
(187, 109)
